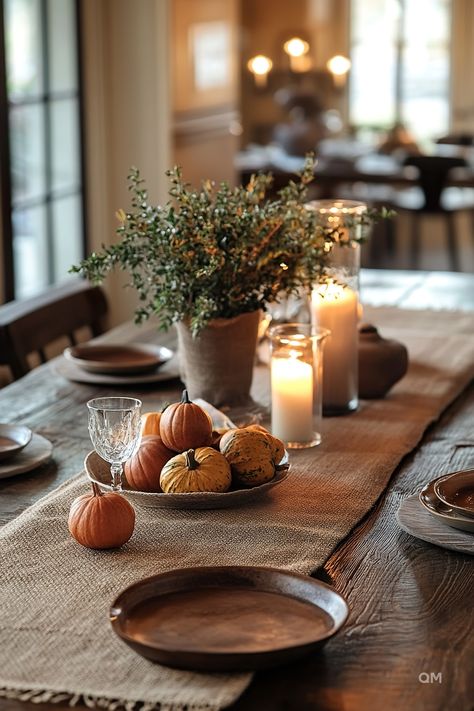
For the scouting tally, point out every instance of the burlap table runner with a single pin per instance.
(56, 642)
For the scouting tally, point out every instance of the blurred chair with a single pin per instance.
(28, 326)
(434, 198)
(457, 139)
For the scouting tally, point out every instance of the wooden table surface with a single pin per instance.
(409, 640)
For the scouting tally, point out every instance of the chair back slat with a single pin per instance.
(28, 326)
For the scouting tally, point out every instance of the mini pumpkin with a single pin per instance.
(201, 469)
(101, 520)
(250, 455)
(143, 470)
(184, 425)
(150, 422)
(216, 436)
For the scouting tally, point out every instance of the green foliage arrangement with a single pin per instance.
(215, 252)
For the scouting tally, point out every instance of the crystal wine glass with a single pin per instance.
(114, 428)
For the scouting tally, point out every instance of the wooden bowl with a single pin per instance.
(13, 438)
(457, 491)
(115, 359)
(99, 471)
(227, 618)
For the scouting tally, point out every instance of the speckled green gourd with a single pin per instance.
(250, 455)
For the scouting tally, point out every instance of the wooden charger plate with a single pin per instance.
(13, 438)
(98, 470)
(227, 618)
(117, 359)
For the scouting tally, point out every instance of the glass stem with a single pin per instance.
(116, 471)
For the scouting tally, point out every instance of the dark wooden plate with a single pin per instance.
(227, 618)
(442, 511)
(116, 359)
(457, 491)
(13, 438)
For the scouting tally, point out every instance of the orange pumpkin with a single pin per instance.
(185, 425)
(143, 470)
(150, 423)
(100, 520)
(216, 436)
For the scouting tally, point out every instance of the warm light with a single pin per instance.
(339, 65)
(260, 66)
(296, 47)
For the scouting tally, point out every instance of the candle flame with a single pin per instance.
(330, 290)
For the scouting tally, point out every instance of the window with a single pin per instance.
(400, 53)
(42, 191)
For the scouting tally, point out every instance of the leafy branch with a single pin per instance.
(216, 251)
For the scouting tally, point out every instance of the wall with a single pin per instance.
(205, 115)
(462, 74)
(322, 23)
(127, 116)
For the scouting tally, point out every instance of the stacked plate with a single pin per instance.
(443, 512)
(450, 499)
(118, 364)
(21, 450)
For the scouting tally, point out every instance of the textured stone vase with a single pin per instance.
(217, 365)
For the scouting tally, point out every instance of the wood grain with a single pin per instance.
(411, 602)
(411, 607)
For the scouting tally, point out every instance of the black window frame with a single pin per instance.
(45, 99)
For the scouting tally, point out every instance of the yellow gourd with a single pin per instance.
(201, 469)
(278, 448)
(250, 455)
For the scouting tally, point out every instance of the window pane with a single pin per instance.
(372, 80)
(65, 144)
(423, 27)
(67, 234)
(23, 47)
(27, 151)
(425, 73)
(62, 45)
(30, 251)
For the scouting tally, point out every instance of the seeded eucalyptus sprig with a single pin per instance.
(216, 251)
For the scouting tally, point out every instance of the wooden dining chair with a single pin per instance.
(433, 197)
(28, 326)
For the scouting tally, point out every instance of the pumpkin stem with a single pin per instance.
(96, 489)
(191, 461)
(185, 398)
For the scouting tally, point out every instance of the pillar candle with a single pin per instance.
(335, 307)
(292, 399)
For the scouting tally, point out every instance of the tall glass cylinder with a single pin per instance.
(335, 302)
(296, 384)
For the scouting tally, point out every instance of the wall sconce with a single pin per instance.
(339, 67)
(297, 50)
(260, 66)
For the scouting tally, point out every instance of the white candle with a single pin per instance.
(292, 399)
(335, 307)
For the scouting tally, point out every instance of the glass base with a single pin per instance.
(305, 445)
(337, 410)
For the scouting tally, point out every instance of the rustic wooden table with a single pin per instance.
(409, 640)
